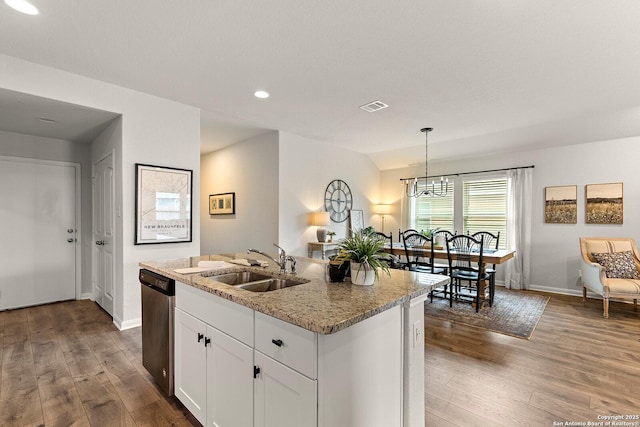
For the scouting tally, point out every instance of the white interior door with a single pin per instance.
(38, 240)
(103, 232)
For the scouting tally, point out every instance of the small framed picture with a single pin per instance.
(222, 204)
(561, 204)
(356, 221)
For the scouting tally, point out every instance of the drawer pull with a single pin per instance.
(207, 341)
(277, 342)
(200, 336)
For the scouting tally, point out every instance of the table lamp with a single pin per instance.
(382, 210)
(320, 219)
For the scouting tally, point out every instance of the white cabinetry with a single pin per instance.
(214, 374)
(284, 397)
(213, 369)
(190, 364)
(286, 389)
(260, 371)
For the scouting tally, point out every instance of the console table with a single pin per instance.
(323, 247)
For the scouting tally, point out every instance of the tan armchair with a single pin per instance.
(594, 277)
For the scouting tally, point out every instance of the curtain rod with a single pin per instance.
(469, 173)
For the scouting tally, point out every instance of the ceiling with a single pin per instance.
(490, 76)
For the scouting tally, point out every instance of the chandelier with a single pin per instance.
(411, 185)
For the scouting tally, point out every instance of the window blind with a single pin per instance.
(435, 212)
(485, 207)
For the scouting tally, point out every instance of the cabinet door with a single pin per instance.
(229, 381)
(284, 398)
(191, 364)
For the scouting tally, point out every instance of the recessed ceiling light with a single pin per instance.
(45, 120)
(261, 94)
(22, 6)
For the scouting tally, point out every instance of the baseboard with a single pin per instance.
(133, 323)
(571, 292)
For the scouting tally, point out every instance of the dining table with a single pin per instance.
(489, 256)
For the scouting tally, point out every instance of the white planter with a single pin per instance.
(361, 275)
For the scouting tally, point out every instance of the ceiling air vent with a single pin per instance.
(373, 106)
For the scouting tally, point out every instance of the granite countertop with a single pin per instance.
(318, 305)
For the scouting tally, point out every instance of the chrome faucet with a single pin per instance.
(282, 263)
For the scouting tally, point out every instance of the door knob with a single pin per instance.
(70, 230)
(100, 242)
(70, 240)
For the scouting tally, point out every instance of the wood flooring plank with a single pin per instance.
(18, 377)
(78, 355)
(22, 410)
(101, 402)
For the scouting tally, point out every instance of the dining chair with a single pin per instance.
(394, 260)
(490, 242)
(401, 234)
(442, 236)
(418, 249)
(461, 249)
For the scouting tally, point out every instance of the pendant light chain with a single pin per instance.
(411, 189)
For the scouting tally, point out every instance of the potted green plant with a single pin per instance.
(366, 254)
(430, 234)
(331, 234)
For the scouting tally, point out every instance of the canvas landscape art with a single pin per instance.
(561, 204)
(604, 203)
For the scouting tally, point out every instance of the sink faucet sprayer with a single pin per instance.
(282, 263)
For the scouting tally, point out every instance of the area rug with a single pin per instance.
(514, 313)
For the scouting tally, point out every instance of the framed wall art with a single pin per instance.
(356, 221)
(222, 204)
(561, 204)
(163, 204)
(604, 203)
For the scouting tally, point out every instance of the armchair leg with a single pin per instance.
(635, 304)
(605, 301)
(584, 295)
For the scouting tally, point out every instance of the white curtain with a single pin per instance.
(519, 194)
(407, 210)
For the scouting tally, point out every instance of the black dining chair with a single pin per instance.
(467, 275)
(418, 249)
(401, 234)
(491, 242)
(393, 260)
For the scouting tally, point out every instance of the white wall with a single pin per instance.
(279, 178)
(154, 131)
(250, 169)
(555, 248)
(306, 168)
(35, 147)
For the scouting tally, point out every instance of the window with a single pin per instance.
(485, 207)
(435, 212)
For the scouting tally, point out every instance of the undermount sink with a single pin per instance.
(239, 277)
(255, 282)
(270, 284)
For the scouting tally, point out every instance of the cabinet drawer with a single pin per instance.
(231, 318)
(290, 345)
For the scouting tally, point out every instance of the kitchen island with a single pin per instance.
(318, 353)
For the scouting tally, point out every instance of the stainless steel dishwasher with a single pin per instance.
(158, 302)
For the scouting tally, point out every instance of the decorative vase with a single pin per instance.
(362, 274)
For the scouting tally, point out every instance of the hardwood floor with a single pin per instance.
(576, 367)
(66, 364)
